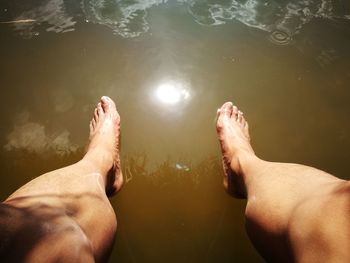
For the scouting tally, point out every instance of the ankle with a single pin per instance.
(242, 166)
(241, 160)
(101, 160)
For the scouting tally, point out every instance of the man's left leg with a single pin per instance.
(72, 201)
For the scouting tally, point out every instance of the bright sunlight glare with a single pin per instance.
(171, 93)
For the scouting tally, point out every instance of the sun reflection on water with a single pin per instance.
(172, 92)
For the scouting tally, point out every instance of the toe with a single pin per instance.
(218, 113)
(224, 113)
(243, 122)
(234, 114)
(240, 117)
(99, 109)
(246, 126)
(91, 127)
(226, 109)
(107, 104)
(96, 114)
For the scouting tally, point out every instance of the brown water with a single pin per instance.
(169, 65)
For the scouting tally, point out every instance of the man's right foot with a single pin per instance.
(234, 140)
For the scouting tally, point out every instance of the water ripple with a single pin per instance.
(129, 18)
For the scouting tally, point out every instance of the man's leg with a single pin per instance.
(69, 208)
(290, 207)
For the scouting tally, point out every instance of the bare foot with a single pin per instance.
(234, 140)
(103, 149)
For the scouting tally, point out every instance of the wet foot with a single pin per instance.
(234, 140)
(103, 149)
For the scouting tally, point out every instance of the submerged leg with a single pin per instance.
(69, 208)
(284, 200)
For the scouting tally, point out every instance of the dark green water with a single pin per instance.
(169, 65)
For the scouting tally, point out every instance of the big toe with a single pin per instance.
(108, 104)
(224, 113)
(226, 109)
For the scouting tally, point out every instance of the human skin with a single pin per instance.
(294, 213)
(65, 215)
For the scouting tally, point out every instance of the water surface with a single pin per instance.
(169, 65)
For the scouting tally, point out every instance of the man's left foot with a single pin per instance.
(103, 148)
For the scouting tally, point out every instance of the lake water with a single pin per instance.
(169, 65)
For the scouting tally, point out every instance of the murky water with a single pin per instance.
(169, 65)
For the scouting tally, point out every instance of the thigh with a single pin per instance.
(41, 235)
(278, 191)
(277, 188)
(77, 193)
(320, 227)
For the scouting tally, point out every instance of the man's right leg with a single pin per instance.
(280, 196)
